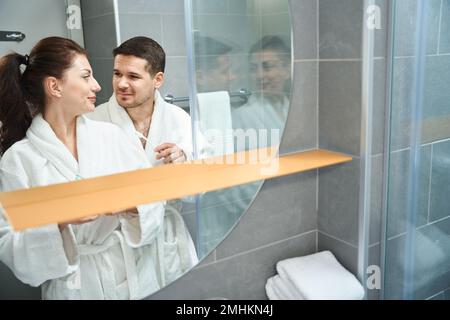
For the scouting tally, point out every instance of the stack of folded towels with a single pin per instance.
(315, 277)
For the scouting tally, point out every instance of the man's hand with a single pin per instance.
(170, 153)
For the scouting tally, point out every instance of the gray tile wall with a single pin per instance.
(282, 220)
(99, 31)
(340, 126)
(431, 274)
(431, 242)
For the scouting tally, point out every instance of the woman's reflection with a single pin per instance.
(267, 108)
(46, 139)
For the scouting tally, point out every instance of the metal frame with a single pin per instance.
(365, 146)
(390, 49)
(242, 93)
(414, 161)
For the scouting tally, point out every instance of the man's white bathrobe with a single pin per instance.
(112, 257)
(169, 124)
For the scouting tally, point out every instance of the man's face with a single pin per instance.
(218, 78)
(270, 70)
(133, 85)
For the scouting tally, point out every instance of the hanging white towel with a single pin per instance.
(320, 277)
(215, 121)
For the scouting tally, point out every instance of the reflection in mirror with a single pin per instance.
(51, 133)
(248, 47)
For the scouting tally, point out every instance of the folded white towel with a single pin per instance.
(215, 121)
(279, 289)
(272, 291)
(320, 277)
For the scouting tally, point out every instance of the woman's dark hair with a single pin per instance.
(22, 93)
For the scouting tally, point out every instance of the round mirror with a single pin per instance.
(228, 70)
(242, 62)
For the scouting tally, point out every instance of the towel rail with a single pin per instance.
(16, 36)
(242, 93)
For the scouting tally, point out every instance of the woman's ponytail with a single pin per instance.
(15, 114)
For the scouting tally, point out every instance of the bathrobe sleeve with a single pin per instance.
(39, 254)
(142, 228)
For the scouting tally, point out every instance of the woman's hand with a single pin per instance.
(92, 218)
(77, 222)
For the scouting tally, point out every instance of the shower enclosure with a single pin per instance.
(408, 226)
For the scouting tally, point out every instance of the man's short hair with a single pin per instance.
(207, 50)
(274, 43)
(144, 48)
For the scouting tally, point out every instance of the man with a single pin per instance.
(163, 131)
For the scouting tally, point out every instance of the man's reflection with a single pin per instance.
(214, 79)
(213, 64)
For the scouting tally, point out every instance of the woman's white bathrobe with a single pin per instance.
(113, 257)
(169, 124)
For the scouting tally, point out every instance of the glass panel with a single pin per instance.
(243, 72)
(418, 220)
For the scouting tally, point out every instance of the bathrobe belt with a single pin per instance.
(130, 263)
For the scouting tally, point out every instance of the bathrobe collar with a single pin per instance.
(120, 117)
(42, 136)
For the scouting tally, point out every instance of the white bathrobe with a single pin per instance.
(169, 124)
(113, 257)
(259, 113)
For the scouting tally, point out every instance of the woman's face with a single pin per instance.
(79, 87)
(270, 69)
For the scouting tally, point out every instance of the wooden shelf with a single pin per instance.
(64, 202)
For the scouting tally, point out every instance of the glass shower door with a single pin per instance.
(417, 230)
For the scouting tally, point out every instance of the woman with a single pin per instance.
(45, 139)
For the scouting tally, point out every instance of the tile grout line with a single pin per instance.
(317, 111)
(419, 228)
(161, 26)
(259, 248)
(340, 240)
(432, 223)
(440, 27)
(340, 60)
(99, 16)
(429, 184)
